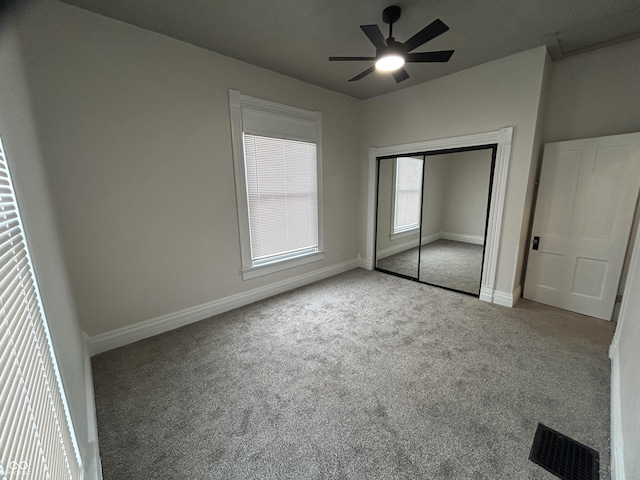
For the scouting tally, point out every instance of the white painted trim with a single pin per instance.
(267, 268)
(496, 208)
(486, 294)
(461, 237)
(404, 234)
(617, 442)
(365, 263)
(505, 299)
(517, 294)
(431, 238)
(407, 245)
(267, 106)
(164, 323)
(92, 463)
(617, 445)
(462, 141)
(236, 103)
(503, 139)
(398, 248)
(634, 266)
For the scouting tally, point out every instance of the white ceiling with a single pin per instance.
(296, 37)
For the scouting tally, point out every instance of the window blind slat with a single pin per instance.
(23, 423)
(16, 416)
(18, 311)
(408, 193)
(10, 390)
(13, 284)
(9, 254)
(11, 239)
(6, 205)
(22, 338)
(282, 195)
(36, 426)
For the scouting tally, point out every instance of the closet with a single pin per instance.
(432, 211)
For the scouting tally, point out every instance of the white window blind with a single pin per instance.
(282, 193)
(36, 437)
(408, 194)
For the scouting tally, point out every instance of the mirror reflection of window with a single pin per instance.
(398, 216)
(407, 194)
(431, 219)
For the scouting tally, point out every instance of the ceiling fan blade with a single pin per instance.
(349, 59)
(400, 75)
(363, 74)
(375, 35)
(431, 31)
(441, 56)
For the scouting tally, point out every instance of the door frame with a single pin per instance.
(503, 139)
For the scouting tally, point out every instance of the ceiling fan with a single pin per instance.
(392, 55)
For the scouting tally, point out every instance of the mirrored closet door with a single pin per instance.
(398, 218)
(432, 213)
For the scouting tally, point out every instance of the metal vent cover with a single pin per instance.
(563, 456)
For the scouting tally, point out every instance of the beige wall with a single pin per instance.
(26, 163)
(595, 94)
(435, 178)
(498, 94)
(137, 133)
(466, 193)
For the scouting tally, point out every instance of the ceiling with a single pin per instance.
(296, 37)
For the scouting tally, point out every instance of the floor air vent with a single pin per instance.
(563, 456)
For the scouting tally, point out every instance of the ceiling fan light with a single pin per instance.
(389, 63)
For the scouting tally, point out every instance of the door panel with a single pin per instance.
(563, 184)
(586, 202)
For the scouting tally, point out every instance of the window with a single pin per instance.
(37, 438)
(407, 194)
(277, 158)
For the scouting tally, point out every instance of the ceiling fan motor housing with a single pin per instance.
(391, 14)
(392, 47)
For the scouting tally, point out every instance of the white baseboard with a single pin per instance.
(365, 263)
(431, 238)
(91, 460)
(486, 294)
(460, 237)
(617, 459)
(148, 328)
(507, 299)
(400, 247)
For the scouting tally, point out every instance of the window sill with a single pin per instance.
(279, 265)
(404, 234)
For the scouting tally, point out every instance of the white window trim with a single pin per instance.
(251, 269)
(408, 232)
(403, 232)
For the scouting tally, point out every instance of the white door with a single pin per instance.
(586, 202)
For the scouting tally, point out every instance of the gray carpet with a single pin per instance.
(447, 263)
(360, 376)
